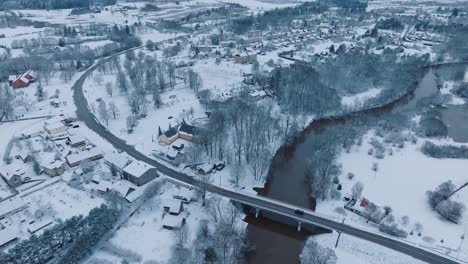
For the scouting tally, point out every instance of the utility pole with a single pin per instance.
(339, 235)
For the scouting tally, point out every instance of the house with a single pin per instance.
(253, 34)
(76, 141)
(169, 136)
(366, 209)
(118, 160)
(173, 207)
(183, 131)
(53, 168)
(139, 173)
(186, 131)
(7, 236)
(77, 158)
(173, 222)
(13, 176)
(244, 57)
(22, 80)
(257, 95)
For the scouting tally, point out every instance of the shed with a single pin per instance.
(173, 207)
(173, 222)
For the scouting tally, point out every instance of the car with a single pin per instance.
(76, 126)
(299, 212)
(26, 179)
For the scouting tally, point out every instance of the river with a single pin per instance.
(287, 181)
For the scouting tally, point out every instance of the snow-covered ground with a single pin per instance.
(401, 182)
(353, 250)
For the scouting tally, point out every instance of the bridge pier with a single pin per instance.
(299, 226)
(257, 212)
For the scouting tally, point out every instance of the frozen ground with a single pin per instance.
(401, 182)
(353, 250)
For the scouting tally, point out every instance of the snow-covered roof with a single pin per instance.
(257, 93)
(53, 165)
(7, 235)
(184, 194)
(133, 196)
(171, 152)
(137, 169)
(11, 205)
(74, 139)
(53, 120)
(83, 155)
(118, 159)
(173, 205)
(54, 126)
(38, 225)
(11, 171)
(172, 221)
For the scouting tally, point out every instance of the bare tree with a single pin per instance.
(103, 112)
(114, 111)
(109, 88)
(313, 253)
(356, 190)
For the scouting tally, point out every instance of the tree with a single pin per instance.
(451, 210)
(103, 112)
(122, 83)
(6, 106)
(109, 88)
(114, 111)
(313, 253)
(40, 92)
(356, 190)
(150, 45)
(210, 255)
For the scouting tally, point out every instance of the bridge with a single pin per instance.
(258, 202)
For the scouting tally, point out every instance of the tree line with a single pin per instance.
(66, 242)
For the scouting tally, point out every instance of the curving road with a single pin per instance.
(262, 203)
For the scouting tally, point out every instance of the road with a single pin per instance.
(262, 203)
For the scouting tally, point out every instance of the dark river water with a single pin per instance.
(287, 181)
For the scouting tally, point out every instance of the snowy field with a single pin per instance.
(353, 250)
(401, 182)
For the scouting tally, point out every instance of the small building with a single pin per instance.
(55, 128)
(205, 168)
(183, 131)
(53, 168)
(76, 159)
(173, 206)
(173, 222)
(139, 173)
(12, 176)
(36, 226)
(257, 95)
(184, 194)
(76, 141)
(7, 236)
(24, 156)
(244, 57)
